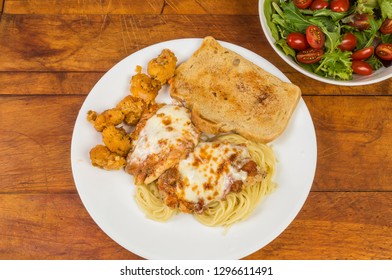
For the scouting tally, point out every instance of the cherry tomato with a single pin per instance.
(297, 41)
(302, 4)
(386, 26)
(384, 51)
(361, 67)
(348, 43)
(340, 6)
(319, 4)
(315, 37)
(363, 54)
(360, 21)
(310, 55)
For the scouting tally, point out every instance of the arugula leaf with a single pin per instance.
(335, 16)
(333, 38)
(366, 37)
(291, 18)
(374, 62)
(386, 38)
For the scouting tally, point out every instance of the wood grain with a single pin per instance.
(54, 52)
(46, 83)
(35, 135)
(133, 7)
(336, 225)
(52, 227)
(97, 42)
(354, 147)
(57, 226)
(60, 47)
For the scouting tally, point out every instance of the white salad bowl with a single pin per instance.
(381, 74)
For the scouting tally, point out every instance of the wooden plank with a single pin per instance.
(29, 83)
(1, 6)
(71, 83)
(35, 138)
(354, 147)
(217, 7)
(97, 42)
(94, 43)
(83, 7)
(132, 7)
(52, 227)
(336, 225)
(56, 226)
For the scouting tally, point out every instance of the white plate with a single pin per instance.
(109, 195)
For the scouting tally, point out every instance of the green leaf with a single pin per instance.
(336, 65)
(285, 47)
(386, 8)
(329, 13)
(294, 20)
(386, 38)
(268, 12)
(374, 62)
(366, 6)
(332, 38)
(365, 38)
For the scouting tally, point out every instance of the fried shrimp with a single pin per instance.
(117, 140)
(108, 117)
(102, 157)
(132, 107)
(162, 68)
(144, 87)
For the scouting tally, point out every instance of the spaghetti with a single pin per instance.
(235, 207)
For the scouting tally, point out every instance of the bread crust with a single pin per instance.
(228, 93)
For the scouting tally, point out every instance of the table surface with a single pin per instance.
(53, 54)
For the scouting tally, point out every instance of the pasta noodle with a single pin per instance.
(235, 207)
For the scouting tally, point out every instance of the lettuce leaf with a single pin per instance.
(336, 65)
(386, 8)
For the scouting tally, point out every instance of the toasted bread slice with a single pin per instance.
(228, 93)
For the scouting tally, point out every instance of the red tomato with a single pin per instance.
(297, 41)
(302, 4)
(384, 51)
(340, 6)
(349, 42)
(315, 37)
(363, 54)
(360, 21)
(361, 67)
(386, 26)
(310, 56)
(319, 4)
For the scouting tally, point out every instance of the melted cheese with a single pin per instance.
(163, 130)
(208, 172)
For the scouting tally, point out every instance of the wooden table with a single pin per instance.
(51, 55)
